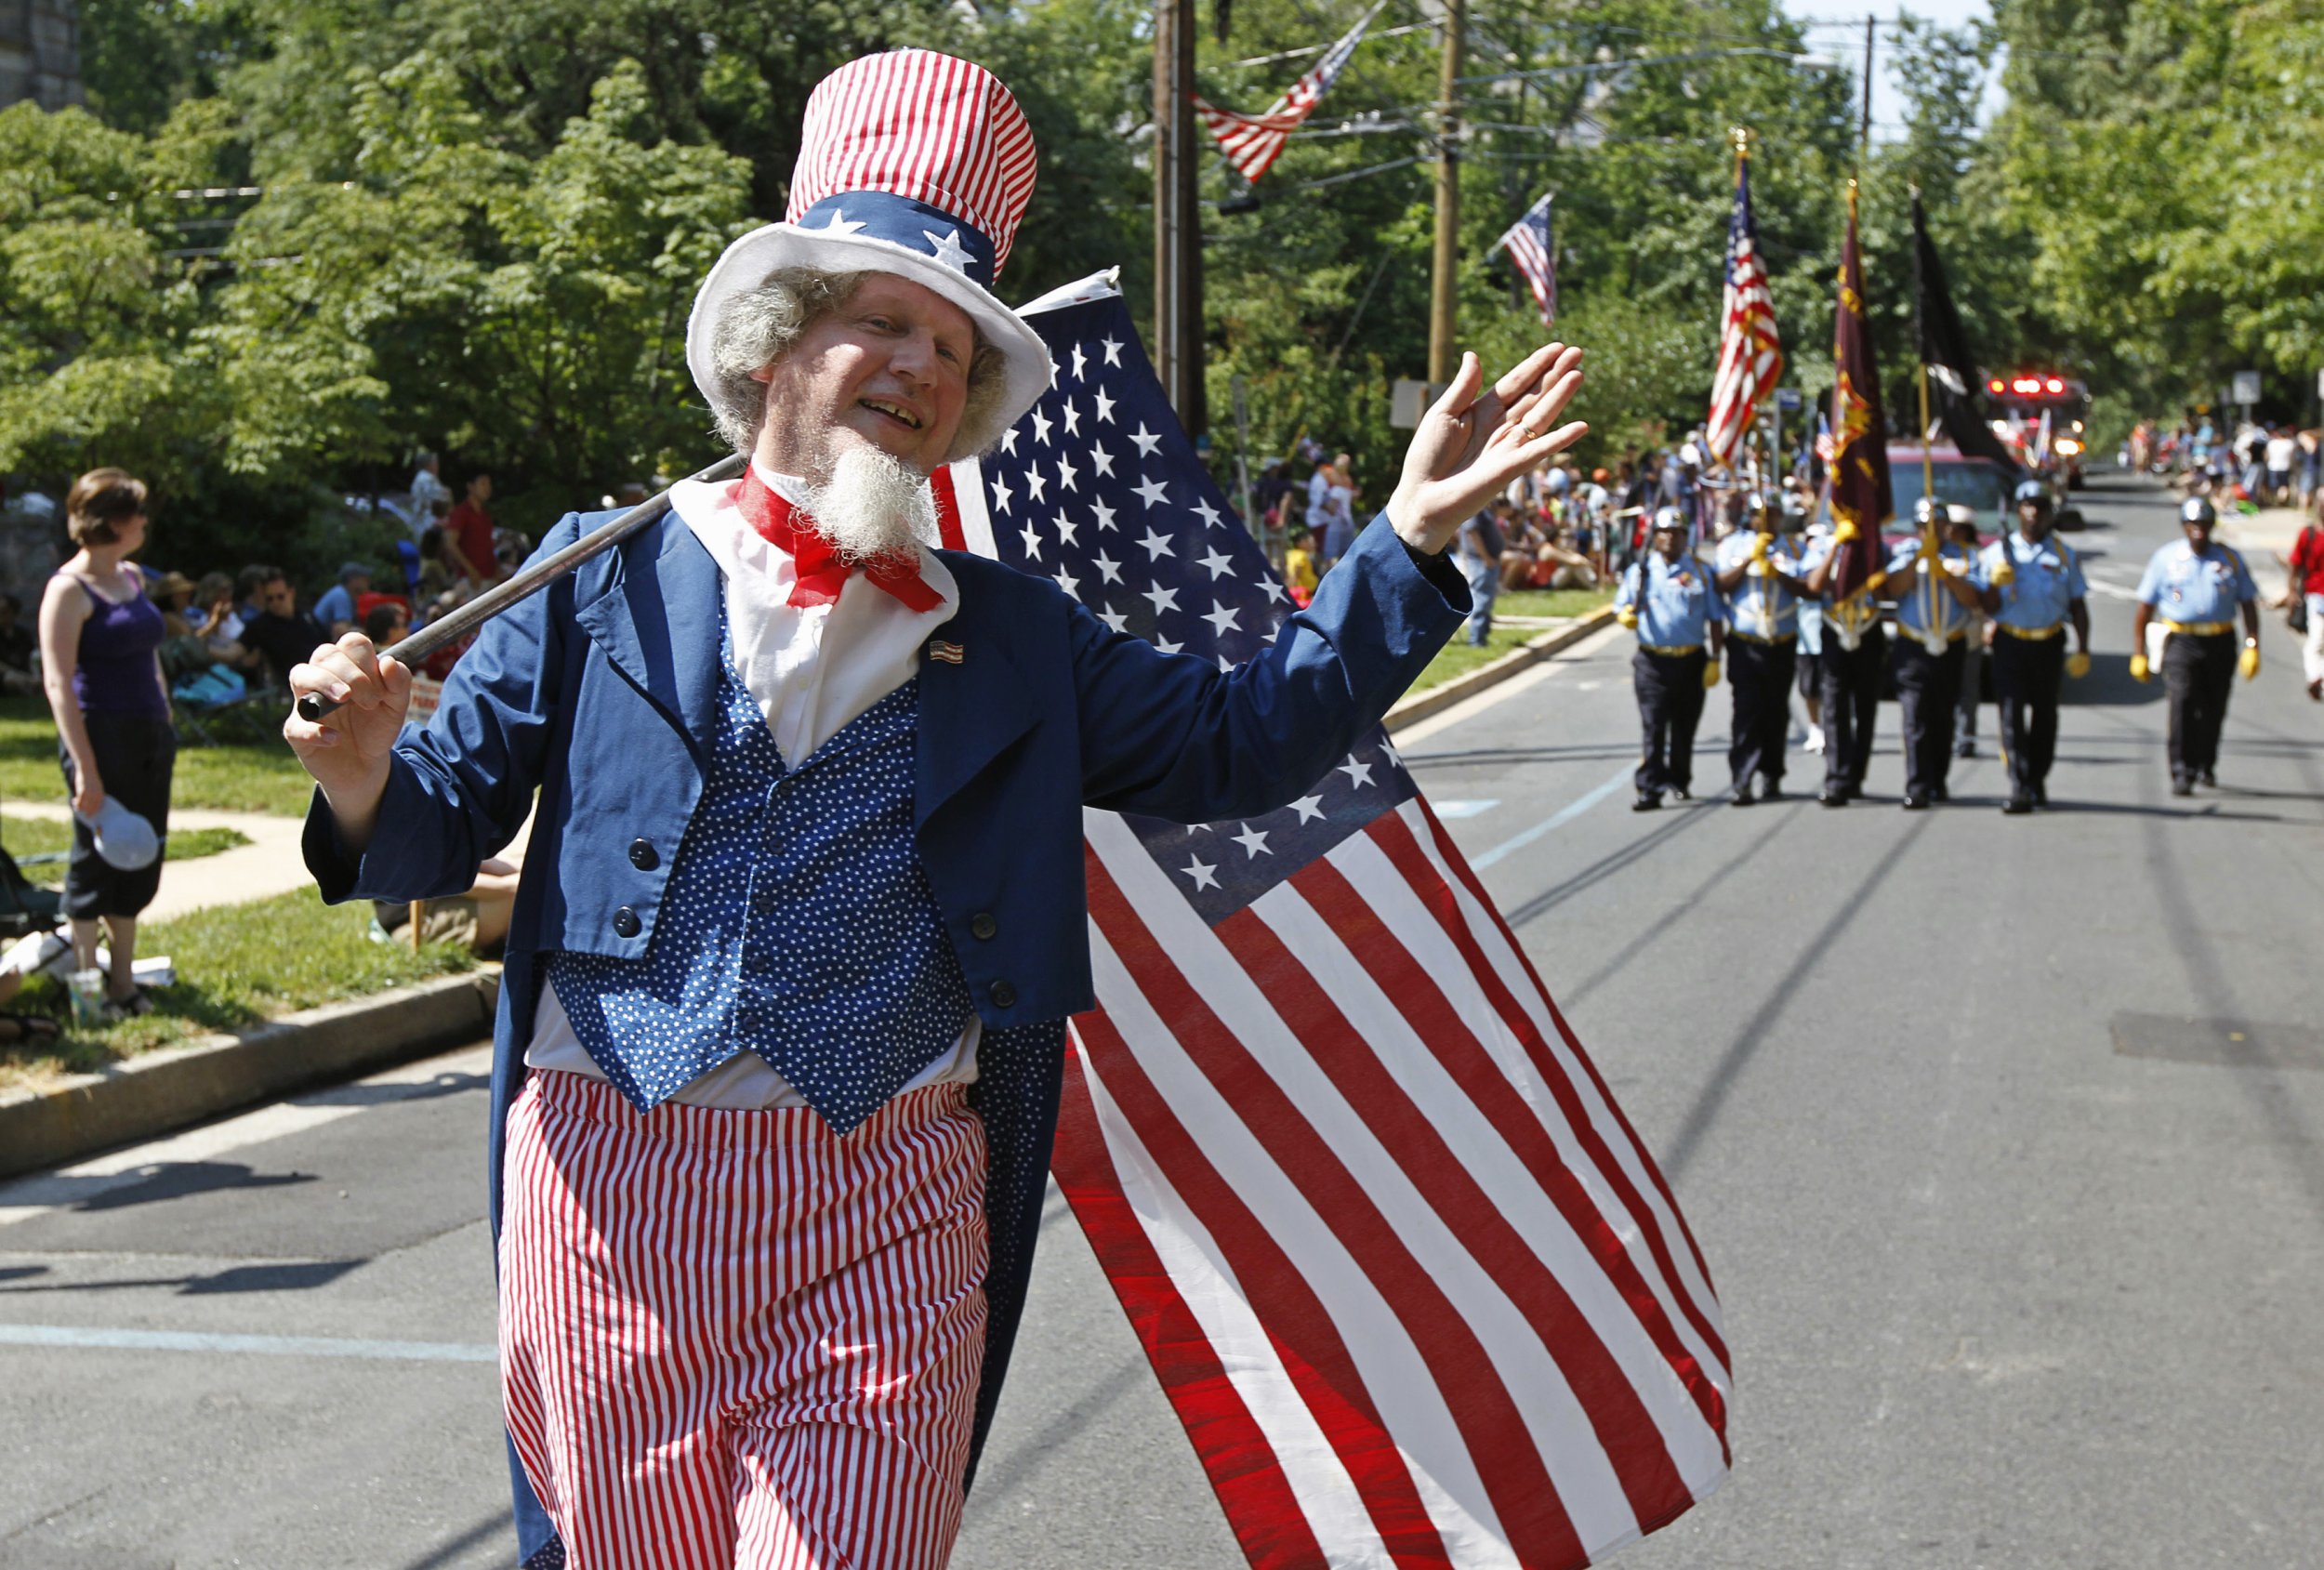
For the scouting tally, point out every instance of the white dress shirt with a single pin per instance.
(812, 668)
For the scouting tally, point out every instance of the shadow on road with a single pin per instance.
(360, 1095)
(1607, 866)
(178, 1180)
(303, 1275)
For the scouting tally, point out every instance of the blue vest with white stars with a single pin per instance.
(797, 924)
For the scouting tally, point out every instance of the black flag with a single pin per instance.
(1953, 375)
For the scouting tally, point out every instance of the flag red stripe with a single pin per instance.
(1317, 1363)
(1583, 1127)
(1243, 1468)
(1625, 1430)
(1507, 1462)
(1438, 1025)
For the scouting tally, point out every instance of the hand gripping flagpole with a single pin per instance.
(457, 624)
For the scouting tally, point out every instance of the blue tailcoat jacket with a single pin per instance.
(601, 694)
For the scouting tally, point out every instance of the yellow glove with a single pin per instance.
(2005, 575)
(2139, 671)
(1628, 617)
(2077, 664)
(1711, 674)
(2249, 662)
(1845, 533)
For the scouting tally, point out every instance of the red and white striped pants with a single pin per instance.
(737, 1340)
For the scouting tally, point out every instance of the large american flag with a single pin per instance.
(1750, 361)
(1252, 142)
(1529, 245)
(1409, 1278)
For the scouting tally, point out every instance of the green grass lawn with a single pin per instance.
(255, 777)
(34, 837)
(237, 965)
(1458, 658)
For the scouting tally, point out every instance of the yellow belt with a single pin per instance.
(1956, 636)
(2031, 635)
(1673, 651)
(1780, 638)
(2201, 629)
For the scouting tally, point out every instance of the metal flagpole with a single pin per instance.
(457, 624)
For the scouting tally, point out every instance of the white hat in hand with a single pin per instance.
(125, 840)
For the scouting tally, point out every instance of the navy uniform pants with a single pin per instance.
(1669, 691)
(1761, 677)
(1928, 693)
(2025, 676)
(1852, 704)
(2198, 673)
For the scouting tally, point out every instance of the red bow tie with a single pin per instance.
(822, 571)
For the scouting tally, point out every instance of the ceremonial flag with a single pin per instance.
(1252, 142)
(1861, 501)
(1750, 361)
(1955, 382)
(1527, 243)
(1412, 1283)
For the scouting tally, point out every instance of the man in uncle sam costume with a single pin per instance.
(782, 1027)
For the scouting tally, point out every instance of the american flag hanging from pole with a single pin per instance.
(1530, 250)
(1252, 142)
(1750, 361)
(1408, 1277)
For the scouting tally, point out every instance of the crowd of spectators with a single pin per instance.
(2250, 463)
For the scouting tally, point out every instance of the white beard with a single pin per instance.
(872, 505)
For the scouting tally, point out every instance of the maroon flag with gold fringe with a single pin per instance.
(1861, 500)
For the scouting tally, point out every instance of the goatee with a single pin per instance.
(871, 505)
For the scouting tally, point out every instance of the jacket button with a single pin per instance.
(626, 922)
(981, 926)
(1004, 995)
(644, 856)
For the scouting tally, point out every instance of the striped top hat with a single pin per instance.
(910, 162)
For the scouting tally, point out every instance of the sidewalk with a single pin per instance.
(269, 864)
(2262, 537)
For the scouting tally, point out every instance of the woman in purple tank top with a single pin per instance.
(98, 640)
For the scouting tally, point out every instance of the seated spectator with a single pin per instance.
(246, 585)
(440, 588)
(1298, 567)
(1556, 564)
(477, 918)
(388, 622)
(221, 624)
(282, 632)
(184, 651)
(336, 608)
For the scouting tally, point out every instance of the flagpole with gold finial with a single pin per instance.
(1760, 568)
(1930, 538)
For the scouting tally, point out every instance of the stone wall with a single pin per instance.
(40, 53)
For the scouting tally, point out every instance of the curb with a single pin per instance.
(178, 1086)
(1419, 706)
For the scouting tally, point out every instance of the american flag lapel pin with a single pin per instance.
(940, 649)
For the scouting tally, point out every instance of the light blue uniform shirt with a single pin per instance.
(1760, 607)
(2183, 587)
(1681, 602)
(2049, 579)
(1913, 609)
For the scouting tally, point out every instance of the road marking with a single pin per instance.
(39, 1194)
(2113, 591)
(265, 1346)
(1465, 809)
(1555, 821)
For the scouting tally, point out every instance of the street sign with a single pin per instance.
(2247, 387)
(1409, 401)
(1788, 398)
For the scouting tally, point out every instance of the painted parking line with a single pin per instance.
(83, 1336)
(1449, 809)
(1555, 821)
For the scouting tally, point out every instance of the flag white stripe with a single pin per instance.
(1393, 1371)
(1609, 1128)
(977, 520)
(1326, 1495)
(1500, 1171)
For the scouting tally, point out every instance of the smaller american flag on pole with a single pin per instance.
(1527, 243)
(1252, 142)
(1750, 361)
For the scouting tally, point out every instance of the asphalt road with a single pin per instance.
(2004, 1138)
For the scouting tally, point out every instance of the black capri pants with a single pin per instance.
(134, 756)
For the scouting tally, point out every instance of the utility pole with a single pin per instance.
(1177, 217)
(1864, 126)
(1444, 325)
